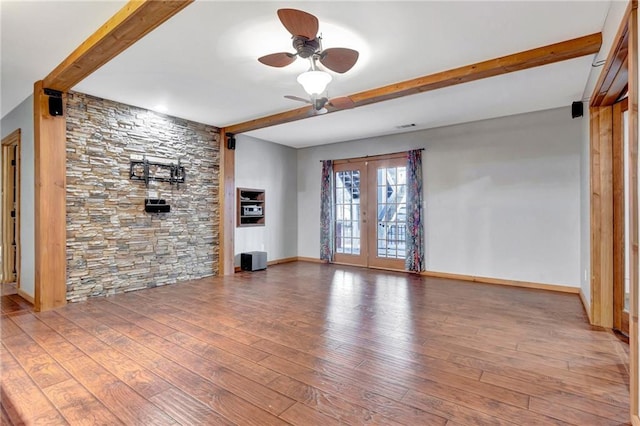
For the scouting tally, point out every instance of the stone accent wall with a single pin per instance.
(113, 246)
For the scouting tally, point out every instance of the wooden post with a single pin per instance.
(226, 255)
(601, 216)
(50, 203)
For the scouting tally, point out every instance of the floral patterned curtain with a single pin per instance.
(415, 232)
(326, 212)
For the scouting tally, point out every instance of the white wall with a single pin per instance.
(272, 167)
(502, 196)
(22, 118)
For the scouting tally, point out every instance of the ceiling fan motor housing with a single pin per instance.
(305, 47)
(319, 103)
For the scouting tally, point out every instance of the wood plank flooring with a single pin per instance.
(305, 344)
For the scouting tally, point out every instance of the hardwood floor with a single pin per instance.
(305, 343)
(8, 289)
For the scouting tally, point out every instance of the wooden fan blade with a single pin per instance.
(299, 23)
(278, 60)
(297, 98)
(343, 102)
(339, 59)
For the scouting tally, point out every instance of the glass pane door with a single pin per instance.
(350, 235)
(371, 212)
(387, 246)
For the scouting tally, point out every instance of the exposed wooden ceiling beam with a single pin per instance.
(613, 79)
(557, 52)
(128, 25)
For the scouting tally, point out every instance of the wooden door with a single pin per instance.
(386, 231)
(350, 215)
(370, 212)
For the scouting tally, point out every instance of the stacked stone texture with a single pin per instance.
(113, 245)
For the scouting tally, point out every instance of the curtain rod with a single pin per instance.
(375, 155)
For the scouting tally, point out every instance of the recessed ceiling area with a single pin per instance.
(202, 63)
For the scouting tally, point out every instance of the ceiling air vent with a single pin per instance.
(406, 126)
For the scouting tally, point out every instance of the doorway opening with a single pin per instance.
(10, 205)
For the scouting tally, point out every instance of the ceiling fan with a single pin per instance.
(320, 103)
(308, 45)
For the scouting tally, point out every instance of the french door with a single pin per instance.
(350, 215)
(370, 212)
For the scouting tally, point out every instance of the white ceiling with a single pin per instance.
(37, 35)
(202, 65)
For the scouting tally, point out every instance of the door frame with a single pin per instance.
(12, 141)
(620, 317)
(343, 258)
(367, 204)
(617, 77)
(620, 74)
(372, 228)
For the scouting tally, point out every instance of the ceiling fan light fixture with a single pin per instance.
(314, 82)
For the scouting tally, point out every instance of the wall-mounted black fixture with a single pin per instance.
(231, 141)
(55, 102)
(152, 205)
(576, 109)
(156, 170)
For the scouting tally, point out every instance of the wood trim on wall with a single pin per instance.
(274, 262)
(282, 260)
(634, 342)
(26, 296)
(618, 188)
(500, 281)
(11, 140)
(585, 305)
(50, 203)
(621, 63)
(310, 259)
(610, 86)
(470, 278)
(226, 255)
(614, 79)
(601, 124)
